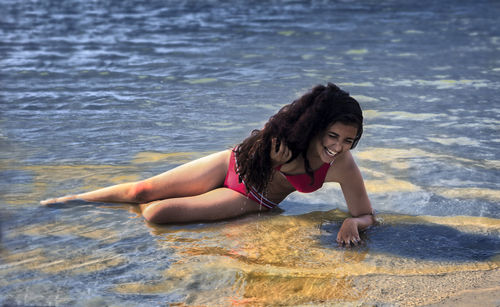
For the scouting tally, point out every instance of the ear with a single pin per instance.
(358, 137)
(355, 143)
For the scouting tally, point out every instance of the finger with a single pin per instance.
(282, 148)
(348, 244)
(273, 145)
(358, 240)
(340, 241)
(343, 242)
(288, 152)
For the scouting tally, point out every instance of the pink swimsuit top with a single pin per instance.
(302, 182)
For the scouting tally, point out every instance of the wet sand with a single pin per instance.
(474, 288)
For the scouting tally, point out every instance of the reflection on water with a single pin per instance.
(293, 256)
(295, 260)
(98, 93)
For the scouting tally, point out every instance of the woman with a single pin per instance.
(305, 144)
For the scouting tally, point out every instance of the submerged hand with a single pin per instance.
(348, 233)
(280, 154)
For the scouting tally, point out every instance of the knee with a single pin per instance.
(149, 214)
(140, 192)
(153, 214)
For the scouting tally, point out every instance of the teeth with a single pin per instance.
(331, 153)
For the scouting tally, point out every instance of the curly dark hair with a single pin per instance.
(295, 124)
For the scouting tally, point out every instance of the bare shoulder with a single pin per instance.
(341, 168)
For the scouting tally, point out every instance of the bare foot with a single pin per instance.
(63, 199)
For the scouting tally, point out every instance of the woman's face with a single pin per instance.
(335, 140)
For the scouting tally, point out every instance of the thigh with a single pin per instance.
(218, 204)
(193, 178)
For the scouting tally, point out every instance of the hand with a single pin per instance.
(281, 154)
(63, 199)
(348, 234)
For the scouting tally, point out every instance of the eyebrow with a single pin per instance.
(347, 138)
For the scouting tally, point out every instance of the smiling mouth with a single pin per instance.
(331, 153)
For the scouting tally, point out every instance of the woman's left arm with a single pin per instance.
(348, 175)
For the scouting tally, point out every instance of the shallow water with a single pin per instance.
(98, 93)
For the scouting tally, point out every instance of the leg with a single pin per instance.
(193, 178)
(217, 204)
(190, 179)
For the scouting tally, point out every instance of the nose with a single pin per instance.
(337, 147)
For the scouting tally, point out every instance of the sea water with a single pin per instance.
(94, 93)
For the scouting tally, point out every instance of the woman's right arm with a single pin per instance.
(347, 174)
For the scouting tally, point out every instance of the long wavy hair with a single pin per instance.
(295, 124)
